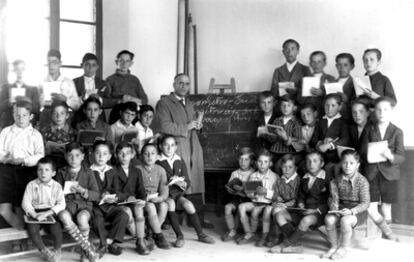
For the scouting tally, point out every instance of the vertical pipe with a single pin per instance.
(195, 80)
(187, 20)
(180, 36)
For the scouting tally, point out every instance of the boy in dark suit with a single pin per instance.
(90, 85)
(380, 84)
(292, 71)
(107, 210)
(345, 63)
(383, 176)
(267, 116)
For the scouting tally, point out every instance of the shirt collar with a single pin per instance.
(50, 79)
(89, 78)
(15, 128)
(320, 175)
(319, 75)
(174, 158)
(332, 118)
(287, 180)
(292, 64)
(352, 178)
(48, 184)
(96, 168)
(180, 98)
(65, 128)
(120, 125)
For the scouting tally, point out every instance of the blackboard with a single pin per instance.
(229, 124)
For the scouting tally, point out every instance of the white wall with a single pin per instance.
(147, 28)
(243, 38)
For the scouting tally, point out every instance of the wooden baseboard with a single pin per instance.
(403, 230)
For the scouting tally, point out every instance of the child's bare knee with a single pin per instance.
(228, 209)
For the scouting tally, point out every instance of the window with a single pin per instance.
(76, 29)
(33, 27)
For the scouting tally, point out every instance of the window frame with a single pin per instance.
(55, 30)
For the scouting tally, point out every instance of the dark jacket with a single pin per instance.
(131, 185)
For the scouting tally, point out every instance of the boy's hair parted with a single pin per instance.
(318, 52)
(89, 56)
(47, 160)
(165, 137)
(24, 103)
(289, 41)
(247, 151)
(127, 52)
(54, 53)
(145, 108)
(348, 56)
(336, 96)
(130, 105)
(265, 94)
(72, 146)
(148, 145)
(288, 157)
(99, 142)
(124, 144)
(375, 50)
(350, 152)
(314, 152)
(385, 99)
(92, 99)
(56, 104)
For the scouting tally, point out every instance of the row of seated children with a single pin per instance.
(21, 148)
(294, 204)
(58, 132)
(329, 134)
(120, 87)
(292, 72)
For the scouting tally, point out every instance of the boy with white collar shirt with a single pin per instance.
(292, 71)
(21, 146)
(124, 124)
(345, 63)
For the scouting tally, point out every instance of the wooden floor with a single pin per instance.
(378, 250)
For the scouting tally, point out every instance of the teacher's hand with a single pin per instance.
(192, 125)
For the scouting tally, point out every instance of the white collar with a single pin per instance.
(320, 175)
(319, 75)
(179, 98)
(164, 157)
(15, 128)
(287, 180)
(59, 79)
(96, 168)
(120, 125)
(291, 64)
(343, 79)
(332, 118)
(89, 78)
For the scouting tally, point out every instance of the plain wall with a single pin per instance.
(148, 28)
(243, 38)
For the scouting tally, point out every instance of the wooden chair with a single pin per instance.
(222, 87)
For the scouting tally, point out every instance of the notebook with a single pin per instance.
(375, 151)
(361, 84)
(15, 92)
(31, 220)
(273, 128)
(333, 88)
(68, 185)
(309, 82)
(251, 186)
(87, 137)
(285, 85)
(129, 136)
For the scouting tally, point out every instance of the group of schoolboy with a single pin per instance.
(313, 166)
(50, 180)
(310, 184)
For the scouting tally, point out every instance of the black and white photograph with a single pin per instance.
(206, 130)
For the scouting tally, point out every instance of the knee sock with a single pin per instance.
(246, 225)
(84, 231)
(195, 221)
(80, 239)
(173, 218)
(332, 235)
(140, 227)
(266, 226)
(385, 228)
(346, 238)
(229, 221)
(255, 223)
(155, 224)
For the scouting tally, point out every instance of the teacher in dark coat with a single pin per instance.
(174, 115)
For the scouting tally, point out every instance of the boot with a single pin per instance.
(386, 230)
(141, 247)
(161, 242)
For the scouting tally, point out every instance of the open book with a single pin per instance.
(109, 196)
(274, 128)
(87, 137)
(139, 202)
(251, 186)
(129, 136)
(283, 86)
(68, 185)
(332, 88)
(15, 92)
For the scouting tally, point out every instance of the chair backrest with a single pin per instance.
(222, 87)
